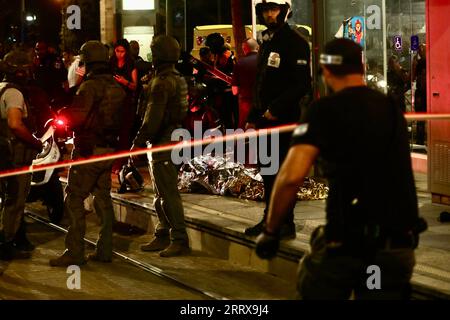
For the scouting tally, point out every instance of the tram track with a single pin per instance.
(419, 292)
(156, 271)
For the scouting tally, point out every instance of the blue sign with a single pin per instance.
(354, 29)
(398, 43)
(415, 43)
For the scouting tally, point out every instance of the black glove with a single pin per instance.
(267, 245)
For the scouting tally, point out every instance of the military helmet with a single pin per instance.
(17, 60)
(165, 49)
(94, 51)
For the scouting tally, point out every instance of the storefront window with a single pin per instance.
(302, 12)
(392, 34)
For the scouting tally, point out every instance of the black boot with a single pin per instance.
(287, 231)
(21, 241)
(9, 252)
(255, 230)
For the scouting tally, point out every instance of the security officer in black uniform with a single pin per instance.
(94, 116)
(166, 109)
(360, 137)
(283, 79)
(18, 149)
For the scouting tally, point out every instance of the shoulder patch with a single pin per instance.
(301, 130)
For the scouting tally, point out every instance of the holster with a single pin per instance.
(22, 155)
(6, 154)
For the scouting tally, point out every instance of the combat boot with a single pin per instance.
(8, 252)
(287, 231)
(24, 245)
(157, 244)
(66, 260)
(94, 256)
(255, 230)
(21, 241)
(176, 249)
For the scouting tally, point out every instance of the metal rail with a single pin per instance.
(139, 264)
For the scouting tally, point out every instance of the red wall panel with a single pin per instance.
(438, 77)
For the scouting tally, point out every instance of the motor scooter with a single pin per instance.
(45, 185)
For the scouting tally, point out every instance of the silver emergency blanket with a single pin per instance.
(219, 176)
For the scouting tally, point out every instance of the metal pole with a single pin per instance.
(385, 66)
(169, 17)
(253, 20)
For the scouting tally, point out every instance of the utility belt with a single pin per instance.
(88, 145)
(106, 145)
(15, 153)
(408, 241)
(361, 246)
(6, 153)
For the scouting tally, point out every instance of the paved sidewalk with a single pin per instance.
(432, 270)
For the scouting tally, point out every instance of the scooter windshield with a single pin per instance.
(47, 147)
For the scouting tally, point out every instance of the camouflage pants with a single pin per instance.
(16, 189)
(325, 274)
(167, 201)
(84, 180)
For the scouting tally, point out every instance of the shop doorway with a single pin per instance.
(143, 35)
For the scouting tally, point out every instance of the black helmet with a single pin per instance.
(94, 52)
(130, 179)
(285, 11)
(17, 60)
(17, 65)
(215, 42)
(165, 49)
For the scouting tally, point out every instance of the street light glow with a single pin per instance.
(30, 18)
(138, 4)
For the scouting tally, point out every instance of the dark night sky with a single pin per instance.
(48, 13)
(47, 25)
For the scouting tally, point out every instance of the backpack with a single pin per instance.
(104, 118)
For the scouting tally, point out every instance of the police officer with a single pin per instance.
(360, 138)
(94, 116)
(283, 79)
(19, 147)
(166, 110)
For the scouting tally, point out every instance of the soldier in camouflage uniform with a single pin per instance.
(18, 147)
(166, 110)
(95, 118)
